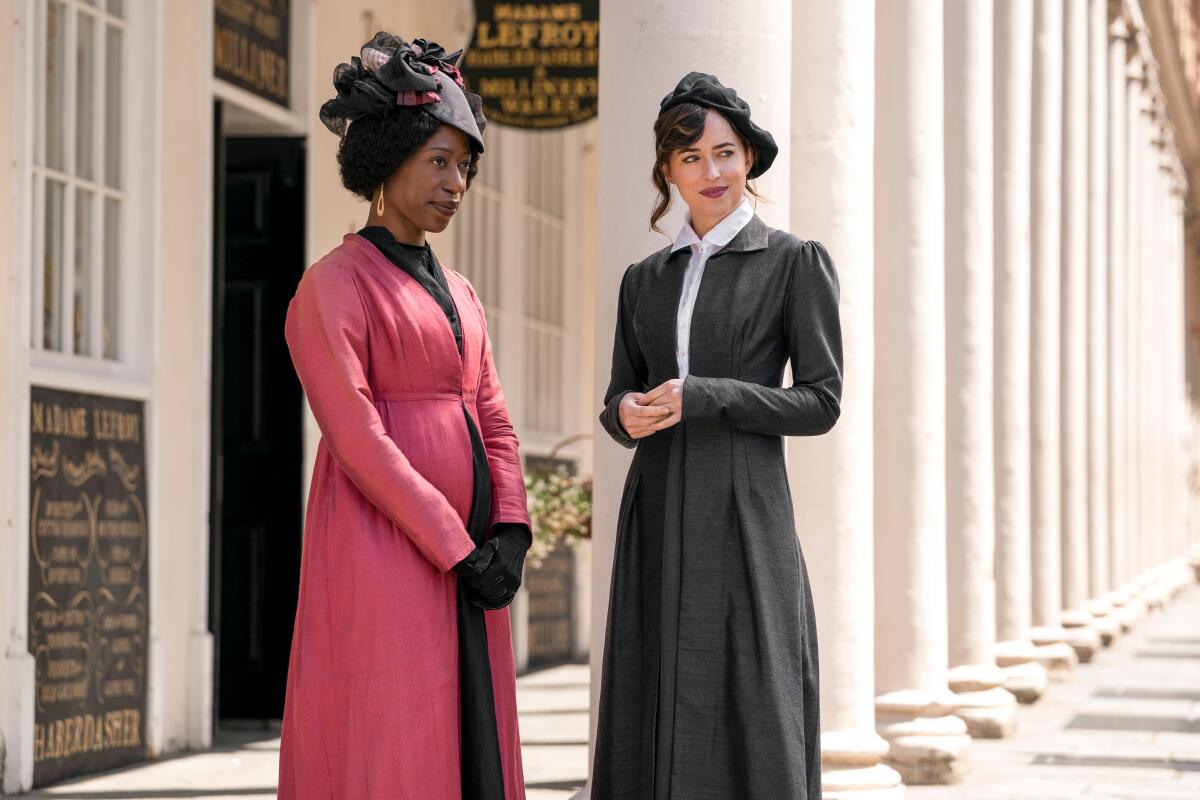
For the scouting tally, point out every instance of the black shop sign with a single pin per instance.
(250, 46)
(535, 64)
(88, 582)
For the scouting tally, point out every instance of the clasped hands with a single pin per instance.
(644, 414)
(492, 571)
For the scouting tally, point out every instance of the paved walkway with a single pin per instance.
(1126, 727)
(244, 762)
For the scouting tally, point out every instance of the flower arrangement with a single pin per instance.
(560, 507)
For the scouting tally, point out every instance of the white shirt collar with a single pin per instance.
(721, 234)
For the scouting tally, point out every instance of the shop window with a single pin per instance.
(78, 187)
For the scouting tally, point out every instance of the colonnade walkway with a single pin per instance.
(1124, 727)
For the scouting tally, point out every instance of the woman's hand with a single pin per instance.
(653, 411)
(639, 420)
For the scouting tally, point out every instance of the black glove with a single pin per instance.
(492, 571)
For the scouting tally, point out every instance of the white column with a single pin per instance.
(1046, 210)
(1131, 608)
(987, 708)
(1120, 454)
(1134, 289)
(1081, 634)
(928, 743)
(754, 58)
(1100, 266)
(833, 95)
(1013, 87)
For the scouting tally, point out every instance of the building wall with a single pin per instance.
(11, 535)
(169, 253)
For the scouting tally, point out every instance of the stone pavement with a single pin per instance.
(244, 762)
(1126, 726)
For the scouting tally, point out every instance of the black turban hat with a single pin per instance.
(389, 72)
(705, 90)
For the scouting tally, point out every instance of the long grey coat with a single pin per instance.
(710, 661)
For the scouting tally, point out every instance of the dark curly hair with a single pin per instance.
(375, 147)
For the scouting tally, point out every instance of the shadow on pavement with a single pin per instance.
(1110, 722)
(1149, 694)
(1176, 765)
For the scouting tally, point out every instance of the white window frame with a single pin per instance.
(127, 374)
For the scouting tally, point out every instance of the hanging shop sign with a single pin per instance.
(250, 46)
(535, 64)
(88, 582)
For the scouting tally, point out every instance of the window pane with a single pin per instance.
(116, 8)
(39, 78)
(84, 241)
(52, 280)
(85, 101)
(56, 66)
(112, 108)
(112, 275)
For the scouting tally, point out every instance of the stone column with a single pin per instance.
(1117, 218)
(1081, 634)
(1046, 211)
(1135, 606)
(1099, 268)
(1098, 320)
(833, 95)
(987, 708)
(755, 43)
(914, 709)
(1013, 87)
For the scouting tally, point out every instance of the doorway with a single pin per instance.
(257, 422)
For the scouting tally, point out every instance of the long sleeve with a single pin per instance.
(811, 405)
(500, 440)
(326, 332)
(629, 372)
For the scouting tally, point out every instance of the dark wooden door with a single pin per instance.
(257, 422)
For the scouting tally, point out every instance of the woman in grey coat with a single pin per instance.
(710, 663)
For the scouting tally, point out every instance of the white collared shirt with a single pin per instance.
(702, 250)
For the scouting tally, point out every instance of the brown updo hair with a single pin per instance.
(677, 128)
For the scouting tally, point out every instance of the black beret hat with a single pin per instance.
(705, 90)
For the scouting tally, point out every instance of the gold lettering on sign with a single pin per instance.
(87, 733)
(117, 426)
(87, 595)
(534, 64)
(250, 45)
(54, 420)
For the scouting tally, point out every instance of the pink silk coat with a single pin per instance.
(372, 709)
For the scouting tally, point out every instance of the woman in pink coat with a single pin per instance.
(401, 682)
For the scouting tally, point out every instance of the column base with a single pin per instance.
(1108, 626)
(851, 768)
(928, 744)
(200, 692)
(1053, 652)
(1081, 634)
(989, 710)
(990, 714)
(16, 717)
(1024, 677)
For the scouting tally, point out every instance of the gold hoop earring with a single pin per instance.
(379, 203)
